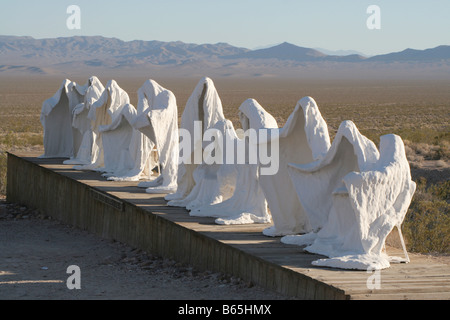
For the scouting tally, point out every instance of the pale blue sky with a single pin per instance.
(329, 24)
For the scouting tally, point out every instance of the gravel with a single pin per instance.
(36, 251)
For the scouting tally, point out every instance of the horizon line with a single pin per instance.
(220, 42)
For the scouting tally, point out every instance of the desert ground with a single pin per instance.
(35, 248)
(35, 252)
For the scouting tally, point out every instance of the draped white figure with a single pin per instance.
(60, 139)
(303, 139)
(157, 120)
(354, 197)
(84, 152)
(105, 114)
(248, 203)
(203, 110)
(349, 152)
(214, 178)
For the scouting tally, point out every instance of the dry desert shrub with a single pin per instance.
(427, 224)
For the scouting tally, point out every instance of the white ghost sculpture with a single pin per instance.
(106, 114)
(84, 153)
(215, 178)
(248, 203)
(354, 197)
(304, 138)
(349, 152)
(203, 110)
(157, 120)
(60, 138)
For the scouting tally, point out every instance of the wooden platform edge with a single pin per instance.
(77, 204)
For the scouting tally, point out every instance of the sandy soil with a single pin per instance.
(35, 252)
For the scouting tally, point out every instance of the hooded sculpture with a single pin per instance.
(349, 152)
(214, 178)
(304, 138)
(203, 110)
(84, 153)
(157, 120)
(248, 203)
(60, 139)
(354, 197)
(105, 114)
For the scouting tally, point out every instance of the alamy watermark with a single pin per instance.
(374, 280)
(374, 20)
(73, 22)
(221, 149)
(259, 147)
(74, 280)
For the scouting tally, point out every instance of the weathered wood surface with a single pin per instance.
(146, 221)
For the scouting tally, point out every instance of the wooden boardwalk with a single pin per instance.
(122, 211)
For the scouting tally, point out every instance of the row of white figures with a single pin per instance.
(341, 200)
(123, 142)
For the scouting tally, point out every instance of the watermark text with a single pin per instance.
(73, 22)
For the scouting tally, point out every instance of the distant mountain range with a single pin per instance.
(290, 52)
(94, 49)
(71, 54)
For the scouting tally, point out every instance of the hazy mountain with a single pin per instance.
(287, 51)
(266, 46)
(96, 48)
(284, 51)
(93, 54)
(340, 52)
(290, 52)
(433, 54)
